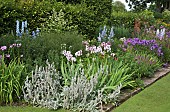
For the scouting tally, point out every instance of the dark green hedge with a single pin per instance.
(87, 15)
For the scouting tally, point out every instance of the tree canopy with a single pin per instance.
(118, 6)
(161, 5)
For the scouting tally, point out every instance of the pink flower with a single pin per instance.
(3, 48)
(7, 55)
(78, 53)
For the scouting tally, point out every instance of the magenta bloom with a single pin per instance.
(3, 48)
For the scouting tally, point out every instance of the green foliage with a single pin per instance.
(57, 23)
(166, 16)
(121, 32)
(32, 11)
(48, 46)
(146, 16)
(111, 73)
(123, 18)
(88, 15)
(141, 62)
(10, 80)
(118, 6)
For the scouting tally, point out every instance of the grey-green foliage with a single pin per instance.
(57, 22)
(44, 89)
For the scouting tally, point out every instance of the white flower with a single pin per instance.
(123, 39)
(73, 59)
(112, 54)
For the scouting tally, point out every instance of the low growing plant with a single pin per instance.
(45, 88)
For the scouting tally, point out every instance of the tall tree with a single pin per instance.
(118, 6)
(161, 5)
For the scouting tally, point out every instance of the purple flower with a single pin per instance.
(3, 48)
(168, 34)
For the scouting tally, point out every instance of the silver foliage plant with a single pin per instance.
(44, 89)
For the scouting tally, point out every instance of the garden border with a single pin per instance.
(125, 95)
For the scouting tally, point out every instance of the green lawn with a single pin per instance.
(27, 109)
(155, 98)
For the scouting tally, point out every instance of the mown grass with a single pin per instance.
(155, 98)
(27, 109)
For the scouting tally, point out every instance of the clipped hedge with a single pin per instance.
(126, 19)
(123, 18)
(34, 12)
(88, 15)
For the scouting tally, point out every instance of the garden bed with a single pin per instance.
(127, 93)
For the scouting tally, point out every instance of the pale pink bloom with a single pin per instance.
(7, 55)
(103, 44)
(64, 52)
(87, 48)
(73, 59)
(99, 49)
(3, 48)
(19, 45)
(78, 53)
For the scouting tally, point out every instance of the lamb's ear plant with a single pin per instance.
(43, 88)
(10, 80)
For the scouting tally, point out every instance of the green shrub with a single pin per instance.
(141, 62)
(166, 16)
(121, 32)
(48, 46)
(125, 19)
